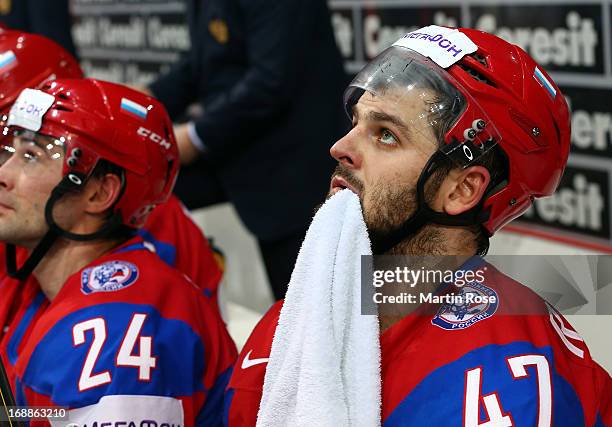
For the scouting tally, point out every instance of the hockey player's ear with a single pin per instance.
(101, 193)
(463, 189)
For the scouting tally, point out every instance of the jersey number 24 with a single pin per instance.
(144, 361)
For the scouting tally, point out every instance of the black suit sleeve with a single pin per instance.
(275, 32)
(176, 88)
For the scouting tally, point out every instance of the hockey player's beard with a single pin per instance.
(391, 206)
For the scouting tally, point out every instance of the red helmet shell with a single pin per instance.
(528, 110)
(29, 60)
(102, 120)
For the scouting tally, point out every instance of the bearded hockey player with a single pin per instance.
(455, 133)
(109, 330)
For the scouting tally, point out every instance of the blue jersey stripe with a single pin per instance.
(212, 412)
(165, 251)
(56, 365)
(227, 404)
(13, 344)
(599, 422)
(439, 399)
(20, 398)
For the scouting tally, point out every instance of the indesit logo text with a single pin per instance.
(573, 45)
(579, 204)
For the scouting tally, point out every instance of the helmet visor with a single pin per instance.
(429, 102)
(33, 151)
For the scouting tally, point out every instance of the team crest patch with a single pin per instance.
(474, 302)
(108, 277)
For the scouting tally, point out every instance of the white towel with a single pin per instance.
(324, 367)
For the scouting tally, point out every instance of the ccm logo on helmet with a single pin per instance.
(147, 133)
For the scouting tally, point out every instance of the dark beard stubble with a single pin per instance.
(392, 207)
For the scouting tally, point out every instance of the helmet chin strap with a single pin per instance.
(30, 264)
(73, 182)
(425, 215)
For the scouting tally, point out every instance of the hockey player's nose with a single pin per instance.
(346, 151)
(8, 170)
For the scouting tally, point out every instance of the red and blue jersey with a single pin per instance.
(512, 362)
(126, 339)
(180, 243)
(20, 306)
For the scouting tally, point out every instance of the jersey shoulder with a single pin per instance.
(526, 316)
(497, 309)
(180, 243)
(245, 387)
(251, 366)
(133, 274)
(494, 357)
(124, 325)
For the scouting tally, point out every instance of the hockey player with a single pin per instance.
(30, 60)
(110, 330)
(455, 132)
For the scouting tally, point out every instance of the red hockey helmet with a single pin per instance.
(95, 120)
(503, 100)
(531, 114)
(29, 60)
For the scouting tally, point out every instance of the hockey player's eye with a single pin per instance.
(387, 137)
(31, 153)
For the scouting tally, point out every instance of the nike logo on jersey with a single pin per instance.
(247, 363)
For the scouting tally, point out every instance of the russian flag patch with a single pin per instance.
(7, 59)
(133, 108)
(545, 82)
